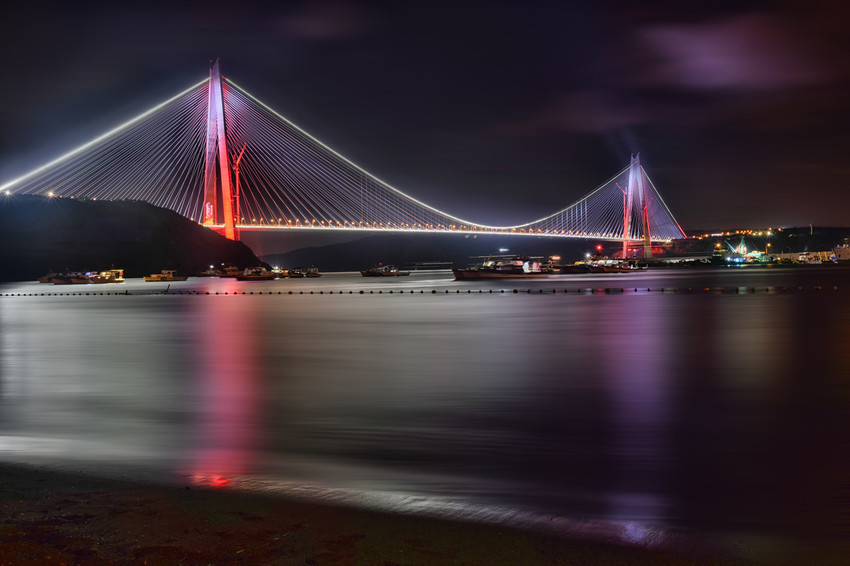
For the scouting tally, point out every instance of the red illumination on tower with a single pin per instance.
(217, 145)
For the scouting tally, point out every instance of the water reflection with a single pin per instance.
(229, 383)
(716, 412)
(637, 356)
(92, 379)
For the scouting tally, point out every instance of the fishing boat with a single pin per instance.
(80, 279)
(383, 271)
(230, 271)
(60, 279)
(256, 274)
(48, 278)
(302, 272)
(165, 275)
(514, 268)
(108, 276)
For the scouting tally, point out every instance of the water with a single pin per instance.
(713, 401)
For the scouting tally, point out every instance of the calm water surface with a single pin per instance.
(719, 411)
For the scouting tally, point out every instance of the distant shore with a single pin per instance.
(56, 517)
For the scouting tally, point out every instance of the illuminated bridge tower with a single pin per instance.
(636, 192)
(217, 168)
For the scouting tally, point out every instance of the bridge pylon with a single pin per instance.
(217, 168)
(636, 193)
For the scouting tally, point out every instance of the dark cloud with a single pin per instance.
(325, 20)
(581, 111)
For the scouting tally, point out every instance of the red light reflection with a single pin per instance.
(228, 395)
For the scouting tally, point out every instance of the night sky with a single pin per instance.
(497, 112)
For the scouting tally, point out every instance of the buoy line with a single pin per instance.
(770, 290)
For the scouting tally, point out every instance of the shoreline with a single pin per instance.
(53, 516)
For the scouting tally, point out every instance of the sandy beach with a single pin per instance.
(55, 517)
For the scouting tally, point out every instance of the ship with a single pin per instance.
(165, 275)
(513, 268)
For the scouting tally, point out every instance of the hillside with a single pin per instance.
(39, 235)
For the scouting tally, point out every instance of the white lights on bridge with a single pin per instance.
(314, 180)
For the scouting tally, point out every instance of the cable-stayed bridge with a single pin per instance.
(216, 154)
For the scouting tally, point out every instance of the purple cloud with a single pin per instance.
(749, 53)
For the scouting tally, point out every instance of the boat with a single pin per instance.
(383, 271)
(71, 278)
(230, 271)
(108, 276)
(256, 274)
(812, 258)
(80, 279)
(842, 252)
(48, 278)
(614, 266)
(301, 272)
(60, 279)
(577, 267)
(514, 268)
(84, 277)
(165, 275)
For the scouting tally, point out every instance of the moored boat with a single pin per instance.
(72, 278)
(578, 267)
(514, 268)
(108, 276)
(256, 274)
(165, 275)
(613, 266)
(842, 252)
(48, 278)
(302, 272)
(230, 271)
(383, 271)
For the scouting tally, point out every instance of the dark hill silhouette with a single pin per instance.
(39, 235)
